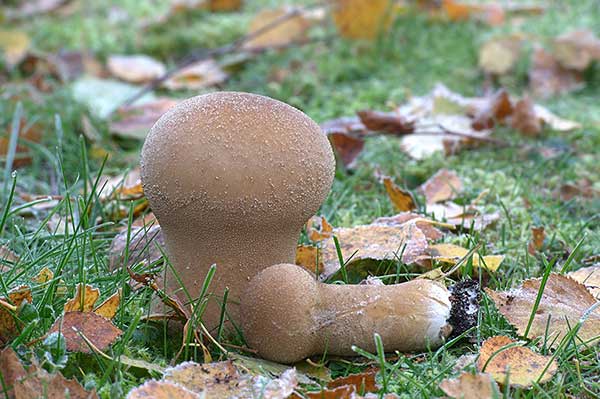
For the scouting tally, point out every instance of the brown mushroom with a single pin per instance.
(288, 316)
(232, 177)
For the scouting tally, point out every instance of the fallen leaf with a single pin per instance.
(318, 229)
(467, 216)
(279, 27)
(361, 382)
(84, 299)
(589, 277)
(138, 68)
(142, 247)
(576, 49)
(7, 259)
(470, 386)
(553, 121)
(161, 390)
(492, 110)
(548, 78)
(13, 47)
(537, 241)
(442, 186)
(525, 119)
(135, 121)
(347, 147)
(10, 325)
(307, 256)
(197, 76)
(225, 5)
(450, 253)
(43, 276)
(499, 55)
(564, 301)
(127, 186)
(519, 364)
(103, 96)
(35, 381)
(28, 133)
(580, 189)
(401, 199)
(386, 122)
(35, 7)
(359, 19)
(427, 226)
(98, 330)
(109, 307)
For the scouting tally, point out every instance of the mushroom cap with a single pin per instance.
(278, 313)
(230, 157)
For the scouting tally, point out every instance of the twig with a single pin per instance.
(208, 53)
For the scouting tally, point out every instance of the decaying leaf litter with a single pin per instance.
(554, 335)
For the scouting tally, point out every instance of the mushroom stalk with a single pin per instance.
(288, 316)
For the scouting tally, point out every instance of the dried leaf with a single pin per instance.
(142, 246)
(27, 133)
(519, 364)
(499, 55)
(427, 226)
(109, 307)
(318, 229)
(7, 258)
(450, 253)
(553, 121)
(13, 47)
(127, 186)
(361, 382)
(84, 299)
(467, 217)
(401, 199)
(537, 241)
(225, 5)
(470, 386)
(98, 330)
(10, 326)
(286, 25)
(577, 49)
(548, 78)
(347, 147)
(359, 19)
(197, 76)
(307, 256)
(492, 110)
(525, 119)
(161, 390)
(442, 186)
(386, 122)
(43, 276)
(589, 277)
(135, 121)
(11, 370)
(138, 68)
(564, 302)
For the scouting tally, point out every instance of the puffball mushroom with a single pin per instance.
(288, 316)
(232, 178)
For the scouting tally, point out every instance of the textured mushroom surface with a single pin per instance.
(232, 177)
(288, 316)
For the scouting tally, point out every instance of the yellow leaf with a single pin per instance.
(84, 299)
(306, 256)
(362, 19)
(279, 27)
(13, 46)
(402, 200)
(521, 365)
(43, 276)
(450, 253)
(109, 307)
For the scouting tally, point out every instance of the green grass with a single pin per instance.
(330, 79)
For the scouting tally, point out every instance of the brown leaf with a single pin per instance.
(577, 49)
(361, 382)
(7, 258)
(521, 365)
(100, 331)
(580, 189)
(10, 326)
(348, 125)
(127, 186)
(109, 307)
(161, 390)
(401, 199)
(307, 256)
(537, 241)
(138, 68)
(564, 301)
(359, 19)
(442, 186)
(493, 110)
(589, 277)
(225, 5)
(84, 299)
(318, 229)
(197, 76)
(525, 119)
(347, 147)
(11, 370)
(135, 121)
(499, 55)
(27, 133)
(548, 78)
(286, 25)
(470, 386)
(386, 122)
(427, 227)
(142, 246)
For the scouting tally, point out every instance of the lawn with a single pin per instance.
(327, 78)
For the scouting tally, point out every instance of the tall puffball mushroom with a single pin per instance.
(288, 316)
(232, 177)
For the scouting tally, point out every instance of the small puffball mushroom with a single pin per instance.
(232, 178)
(288, 316)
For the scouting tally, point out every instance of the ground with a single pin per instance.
(331, 78)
